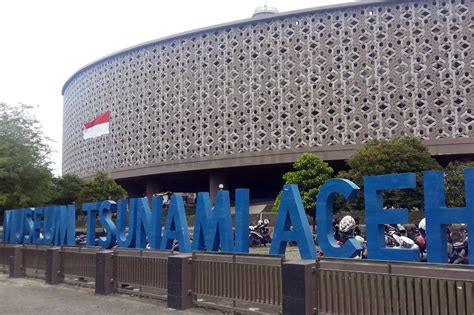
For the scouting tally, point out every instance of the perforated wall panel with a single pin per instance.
(314, 79)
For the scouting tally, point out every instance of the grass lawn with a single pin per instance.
(292, 252)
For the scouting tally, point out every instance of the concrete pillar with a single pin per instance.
(180, 281)
(299, 287)
(134, 189)
(16, 262)
(104, 272)
(152, 187)
(215, 179)
(53, 266)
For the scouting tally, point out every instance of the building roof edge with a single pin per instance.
(223, 26)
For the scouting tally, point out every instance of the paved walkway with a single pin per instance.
(30, 296)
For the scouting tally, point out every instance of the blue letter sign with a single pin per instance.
(149, 222)
(377, 216)
(324, 206)
(242, 220)
(213, 227)
(64, 225)
(91, 208)
(6, 226)
(106, 208)
(438, 215)
(55, 225)
(126, 240)
(176, 226)
(292, 225)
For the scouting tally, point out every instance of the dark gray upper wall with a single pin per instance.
(262, 91)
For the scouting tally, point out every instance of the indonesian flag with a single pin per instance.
(97, 127)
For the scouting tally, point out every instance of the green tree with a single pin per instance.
(25, 173)
(407, 154)
(66, 189)
(454, 183)
(102, 187)
(310, 173)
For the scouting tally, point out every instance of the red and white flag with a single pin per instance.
(97, 127)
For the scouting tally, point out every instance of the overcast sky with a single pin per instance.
(42, 43)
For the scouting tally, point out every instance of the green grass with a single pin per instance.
(292, 252)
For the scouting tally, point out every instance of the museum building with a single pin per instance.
(237, 103)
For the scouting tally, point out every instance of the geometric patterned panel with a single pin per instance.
(316, 79)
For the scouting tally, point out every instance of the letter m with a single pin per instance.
(213, 227)
(64, 226)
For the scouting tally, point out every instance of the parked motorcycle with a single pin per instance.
(343, 231)
(363, 243)
(396, 236)
(457, 248)
(81, 240)
(259, 234)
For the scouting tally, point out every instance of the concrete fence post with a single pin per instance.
(299, 287)
(53, 265)
(104, 272)
(180, 281)
(16, 262)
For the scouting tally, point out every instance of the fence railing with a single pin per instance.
(251, 283)
(77, 265)
(5, 253)
(367, 287)
(34, 260)
(237, 281)
(141, 272)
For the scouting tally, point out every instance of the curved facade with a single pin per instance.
(261, 91)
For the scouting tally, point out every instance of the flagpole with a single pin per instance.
(109, 152)
(109, 155)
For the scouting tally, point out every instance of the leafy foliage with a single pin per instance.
(309, 174)
(25, 174)
(407, 154)
(102, 187)
(454, 183)
(66, 189)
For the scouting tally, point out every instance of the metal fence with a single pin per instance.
(366, 287)
(78, 265)
(242, 282)
(141, 272)
(5, 252)
(34, 260)
(253, 284)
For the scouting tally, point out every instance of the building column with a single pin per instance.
(152, 187)
(215, 179)
(134, 189)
